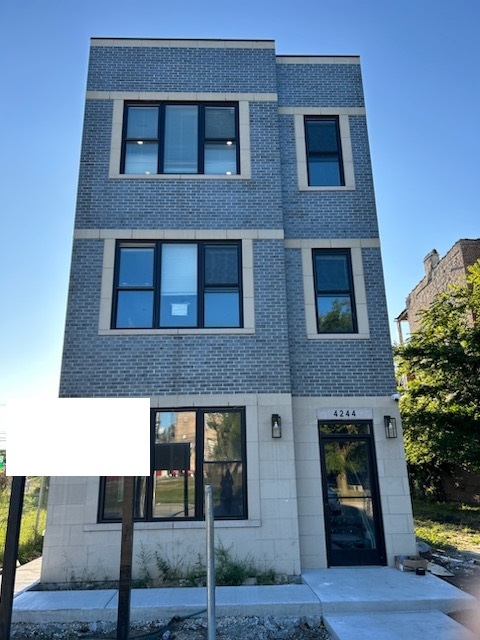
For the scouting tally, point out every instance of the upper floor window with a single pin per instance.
(334, 295)
(185, 138)
(324, 151)
(177, 284)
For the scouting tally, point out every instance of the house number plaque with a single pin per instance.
(342, 413)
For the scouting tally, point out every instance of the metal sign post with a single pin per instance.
(125, 581)
(210, 562)
(10, 556)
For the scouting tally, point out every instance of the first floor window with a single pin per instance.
(324, 152)
(191, 448)
(185, 138)
(176, 284)
(334, 293)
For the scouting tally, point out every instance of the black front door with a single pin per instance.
(353, 519)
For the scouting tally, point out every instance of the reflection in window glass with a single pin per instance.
(136, 266)
(113, 498)
(323, 152)
(334, 291)
(190, 448)
(134, 309)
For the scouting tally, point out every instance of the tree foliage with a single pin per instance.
(440, 369)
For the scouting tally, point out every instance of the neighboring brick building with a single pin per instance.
(226, 264)
(439, 275)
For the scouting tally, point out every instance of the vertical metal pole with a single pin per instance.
(125, 581)
(210, 562)
(10, 556)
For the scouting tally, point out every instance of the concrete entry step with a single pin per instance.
(425, 625)
(353, 590)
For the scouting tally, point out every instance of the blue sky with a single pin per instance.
(420, 64)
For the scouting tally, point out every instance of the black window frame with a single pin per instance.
(199, 477)
(202, 140)
(350, 291)
(202, 286)
(338, 155)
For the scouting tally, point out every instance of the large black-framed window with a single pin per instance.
(177, 285)
(190, 448)
(334, 294)
(180, 138)
(324, 151)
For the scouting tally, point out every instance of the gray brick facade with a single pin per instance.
(276, 362)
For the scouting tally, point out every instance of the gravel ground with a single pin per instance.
(228, 628)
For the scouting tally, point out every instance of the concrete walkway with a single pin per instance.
(378, 603)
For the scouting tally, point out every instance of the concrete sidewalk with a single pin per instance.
(356, 603)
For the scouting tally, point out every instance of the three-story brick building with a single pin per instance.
(226, 264)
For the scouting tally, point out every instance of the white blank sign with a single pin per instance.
(78, 437)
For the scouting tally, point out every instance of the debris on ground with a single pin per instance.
(228, 628)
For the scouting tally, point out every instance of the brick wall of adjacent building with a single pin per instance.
(439, 275)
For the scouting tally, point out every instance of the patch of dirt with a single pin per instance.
(227, 628)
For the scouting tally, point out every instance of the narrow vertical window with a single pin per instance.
(324, 156)
(178, 288)
(135, 288)
(181, 139)
(221, 286)
(141, 140)
(334, 292)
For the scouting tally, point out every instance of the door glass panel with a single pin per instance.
(350, 515)
(344, 428)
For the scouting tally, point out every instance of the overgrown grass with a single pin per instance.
(446, 525)
(30, 539)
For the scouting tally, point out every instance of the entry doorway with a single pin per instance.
(353, 519)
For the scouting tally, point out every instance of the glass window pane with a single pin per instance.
(324, 171)
(134, 310)
(181, 139)
(113, 498)
(174, 478)
(222, 436)
(344, 428)
(334, 314)
(141, 157)
(227, 484)
(332, 272)
(178, 299)
(136, 267)
(220, 123)
(142, 122)
(221, 265)
(173, 494)
(222, 309)
(322, 136)
(220, 158)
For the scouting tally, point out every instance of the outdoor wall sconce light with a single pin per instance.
(390, 426)
(276, 426)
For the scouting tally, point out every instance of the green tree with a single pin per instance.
(440, 403)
